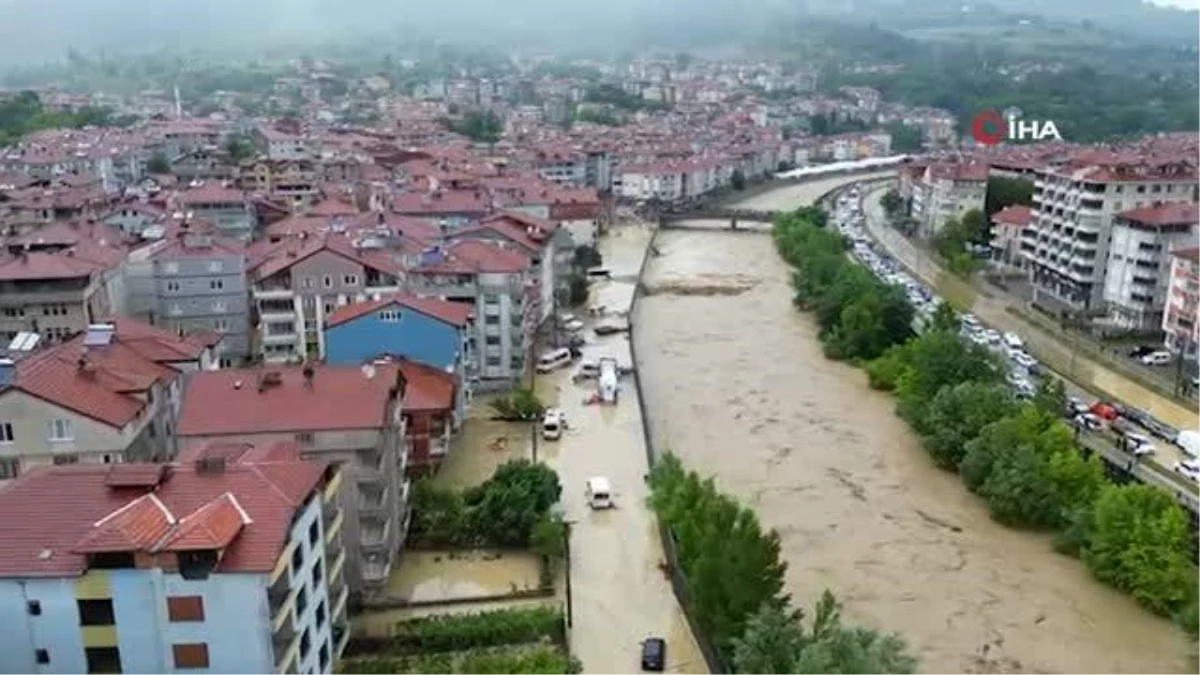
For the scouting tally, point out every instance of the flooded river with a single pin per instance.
(736, 385)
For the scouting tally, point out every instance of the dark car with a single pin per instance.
(654, 654)
(1142, 350)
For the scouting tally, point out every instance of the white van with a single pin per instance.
(599, 493)
(553, 360)
(553, 424)
(1013, 341)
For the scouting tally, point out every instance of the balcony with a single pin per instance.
(370, 466)
(376, 568)
(439, 446)
(373, 532)
(373, 500)
(273, 291)
(281, 599)
(280, 338)
(341, 637)
(288, 658)
(339, 602)
(339, 564)
(334, 525)
(285, 642)
(330, 493)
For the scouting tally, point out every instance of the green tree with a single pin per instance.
(772, 640)
(577, 289)
(737, 180)
(905, 138)
(939, 359)
(944, 318)
(521, 404)
(891, 202)
(1003, 191)
(509, 505)
(549, 536)
(958, 414)
(586, 257)
(1139, 542)
(158, 163)
(1051, 397)
(239, 148)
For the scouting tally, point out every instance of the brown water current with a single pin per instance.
(736, 384)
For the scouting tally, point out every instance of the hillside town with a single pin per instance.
(238, 337)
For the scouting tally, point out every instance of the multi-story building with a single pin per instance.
(1067, 243)
(286, 145)
(1007, 225)
(108, 396)
(350, 415)
(231, 563)
(55, 294)
(1139, 263)
(199, 284)
(1181, 319)
(294, 181)
(562, 165)
(229, 208)
(947, 191)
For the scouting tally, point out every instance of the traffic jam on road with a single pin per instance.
(1129, 429)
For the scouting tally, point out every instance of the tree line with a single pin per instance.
(734, 579)
(1019, 456)
(24, 113)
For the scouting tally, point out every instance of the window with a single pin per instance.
(327, 281)
(42, 656)
(34, 607)
(314, 533)
(350, 279)
(214, 266)
(301, 601)
(185, 608)
(61, 430)
(492, 340)
(112, 457)
(171, 268)
(329, 307)
(493, 361)
(6, 432)
(95, 612)
(191, 655)
(216, 284)
(220, 306)
(317, 574)
(66, 458)
(492, 319)
(10, 467)
(308, 282)
(172, 286)
(297, 560)
(390, 316)
(305, 643)
(323, 654)
(175, 309)
(103, 659)
(320, 615)
(222, 326)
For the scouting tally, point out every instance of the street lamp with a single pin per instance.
(559, 511)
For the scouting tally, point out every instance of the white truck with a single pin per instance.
(608, 384)
(553, 424)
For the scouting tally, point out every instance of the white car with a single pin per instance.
(1024, 360)
(1141, 445)
(1189, 468)
(1158, 358)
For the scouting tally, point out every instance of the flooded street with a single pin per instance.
(620, 594)
(737, 386)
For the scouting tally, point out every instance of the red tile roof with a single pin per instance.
(233, 401)
(33, 265)
(455, 313)
(1191, 253)
(51, 511)
(1181, 213)
(428, 388)
(137, 526)
(1013, 214)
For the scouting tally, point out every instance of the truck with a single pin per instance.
(608, 384)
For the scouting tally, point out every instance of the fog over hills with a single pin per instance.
(38, 30)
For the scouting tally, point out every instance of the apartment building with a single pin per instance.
(229, 208)
(108, 396)
(286, 145)
(198, 283)
(1181, 318)
(1067, 243)
(1007, 225)
(349, 415)
(294, 181)
(947, 191)
(55, 294)
(565, 166)
(1139, 262)
(231, 563)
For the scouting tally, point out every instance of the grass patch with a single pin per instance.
(508, 659)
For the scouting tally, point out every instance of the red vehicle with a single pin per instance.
(1104, 411)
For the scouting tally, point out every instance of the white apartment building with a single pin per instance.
(1139, 262)
(1067, 242)
(1181, 319)
(947, 191)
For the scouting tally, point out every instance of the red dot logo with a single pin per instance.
(988, 127)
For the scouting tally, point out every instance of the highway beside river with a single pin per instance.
(736, 384)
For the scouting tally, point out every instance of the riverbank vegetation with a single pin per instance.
(859, 316)
(509, 510)
(734, 581)
(1020, 457)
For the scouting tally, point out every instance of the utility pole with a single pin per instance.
(567, 561)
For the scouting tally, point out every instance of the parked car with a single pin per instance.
(1142, 350)
(1159, 358)
(1189, 468)
(1104, 410)
(654, 654)
(1089, 421)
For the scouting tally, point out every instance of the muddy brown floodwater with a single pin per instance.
(736, 385)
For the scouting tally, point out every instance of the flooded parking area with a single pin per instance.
(620, 595)
(446, 576)
(736, 384)
(482, 445)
